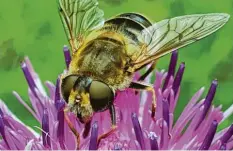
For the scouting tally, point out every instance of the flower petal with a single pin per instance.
(25, 105)
(209, 137)
(178, 78)
(138, 131)
(227, 135)
(51, 88)
(45, 127)
(153, 141)
(172, 68)
(67, 56)
(94, 136)
(208, 101)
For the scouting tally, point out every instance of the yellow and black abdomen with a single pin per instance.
(129, 25)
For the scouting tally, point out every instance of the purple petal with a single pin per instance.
(164, 136)
(174, 98)
(208, 101)
(60, 104)
(220, 134)
(36, 104)
(171, 99)
(159, 79)
(205, 125)
(3, 146)
(209, 137)
(124, 109)
(6, 123)
(34, 145)
(1, 113)
(159, 105)
(223, 147)
(57, 92)
(117, 147)
(60, 130)
(224, 139)
(167, 92)
(177, 130)
(2, 130)
(215, 145)
(166, 112)
(51, 88)
(171, 119)
(172, 68)
(192, 103)
(19, 140)
(156, 127)
(29, 78)
(178, 78)
(229, 145)
(29, 145)
(25, 105)
(94, 136)
(11, 121)
(45, 127)
(144, 108)
(70, 140)
(10, 141)
(153, 141)
(24, 130)
(138, 131)
(67, 56)
(190, 144)
(33, 81)
(29, 65)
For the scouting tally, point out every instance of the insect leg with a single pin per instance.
(142, 86)
(152, 67)
(113, 128)
(113, 115)
(87, 129)
(72, 128)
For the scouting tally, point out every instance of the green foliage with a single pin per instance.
(33, 28)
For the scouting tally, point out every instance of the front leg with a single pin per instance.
(72, 128)
(87, 129)
(147, 87)
(152, 67)
(113, 121)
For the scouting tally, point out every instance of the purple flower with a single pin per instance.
(194, 129)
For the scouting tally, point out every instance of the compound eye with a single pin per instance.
(67, 85)
(101, 95)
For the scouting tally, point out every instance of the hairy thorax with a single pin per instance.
(105, 60)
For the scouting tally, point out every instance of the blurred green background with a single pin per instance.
(33, 28)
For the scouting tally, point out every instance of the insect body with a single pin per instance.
(106, 54)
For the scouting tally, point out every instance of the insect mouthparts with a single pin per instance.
(77, 99)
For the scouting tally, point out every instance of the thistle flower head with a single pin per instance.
(194, 129)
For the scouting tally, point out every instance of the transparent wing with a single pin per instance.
(167, 35)
(79, 18)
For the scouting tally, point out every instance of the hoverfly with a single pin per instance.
(107, 53)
